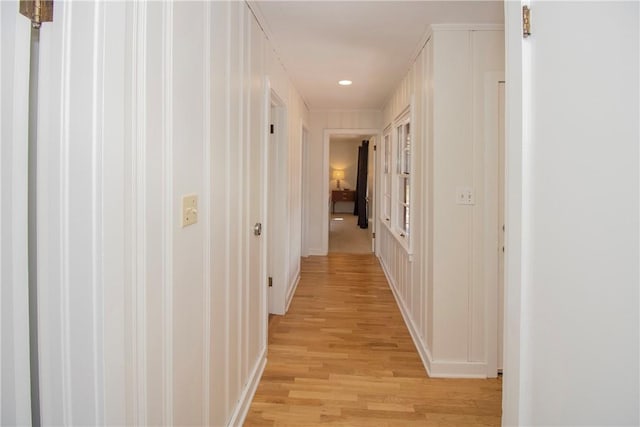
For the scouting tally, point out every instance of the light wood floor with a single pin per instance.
(343, 356)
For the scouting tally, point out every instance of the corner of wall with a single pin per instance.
(246, 397)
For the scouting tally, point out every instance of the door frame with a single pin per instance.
(277, 202)
(325, 177)
(304, 189)
(516, 62)
(492, 82)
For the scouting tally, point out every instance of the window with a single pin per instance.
(396, 177)
(386, 178)
(403, 170)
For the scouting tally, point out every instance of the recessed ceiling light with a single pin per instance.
(345, 82)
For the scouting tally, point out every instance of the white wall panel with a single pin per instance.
(442, 293)
(487, 62)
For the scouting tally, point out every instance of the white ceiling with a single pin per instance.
(372, 43)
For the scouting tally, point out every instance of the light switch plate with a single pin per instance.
(465, 196)
(189, 209)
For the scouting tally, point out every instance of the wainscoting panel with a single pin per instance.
(143, 321)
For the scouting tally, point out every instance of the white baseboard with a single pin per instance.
(435, 369)
(316, 252)
(292, 291)
(423, 351)
(246, 397)
(458, 370)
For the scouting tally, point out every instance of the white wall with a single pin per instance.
(439, 281)
(142, 321)
(572, 267)
(318, 201)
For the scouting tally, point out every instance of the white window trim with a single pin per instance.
(406, 241)
(387, 177)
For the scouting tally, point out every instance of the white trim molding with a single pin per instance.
(246, 397)
(434, 368)
(292, 290)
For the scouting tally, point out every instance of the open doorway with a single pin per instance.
(350, 185)
(343, 198)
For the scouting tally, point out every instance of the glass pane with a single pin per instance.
(407, 191)
(407, 149)
(399, 149)
(406, 220)
(387, 152)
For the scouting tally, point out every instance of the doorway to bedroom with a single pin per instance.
(351, 162)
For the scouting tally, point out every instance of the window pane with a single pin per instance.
(407, 149)
(399, 149)
(406, 220)
(387, 152)
(407, 191)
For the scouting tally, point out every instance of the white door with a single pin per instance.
(256, 199)
(573, 220)
(272, 154)
(14, 307)
(304, 185)
(78, 110)
(501, 227)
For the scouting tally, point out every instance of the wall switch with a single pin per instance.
(189, 210)
(465, 196)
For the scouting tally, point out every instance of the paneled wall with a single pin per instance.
(143, 321)
(318, 201)
(405, 267)
(439, 280)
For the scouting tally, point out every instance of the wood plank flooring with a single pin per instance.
(343, 356)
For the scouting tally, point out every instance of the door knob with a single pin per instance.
(257, 229)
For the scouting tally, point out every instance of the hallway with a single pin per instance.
(343, 355)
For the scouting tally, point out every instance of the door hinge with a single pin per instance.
(271, 129)
(38, 11)
(374, 234)
(375, 148)
(526, 21)
(270, 282)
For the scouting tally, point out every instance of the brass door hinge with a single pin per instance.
(270, 281)
(38, 11)
(526, 21)
(374, 235)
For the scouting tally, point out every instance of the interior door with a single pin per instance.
(256, 198)
(573, 100)
(501, 230)
(271, 191)
(14, 307)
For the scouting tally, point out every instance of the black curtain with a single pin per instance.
(360, 207)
